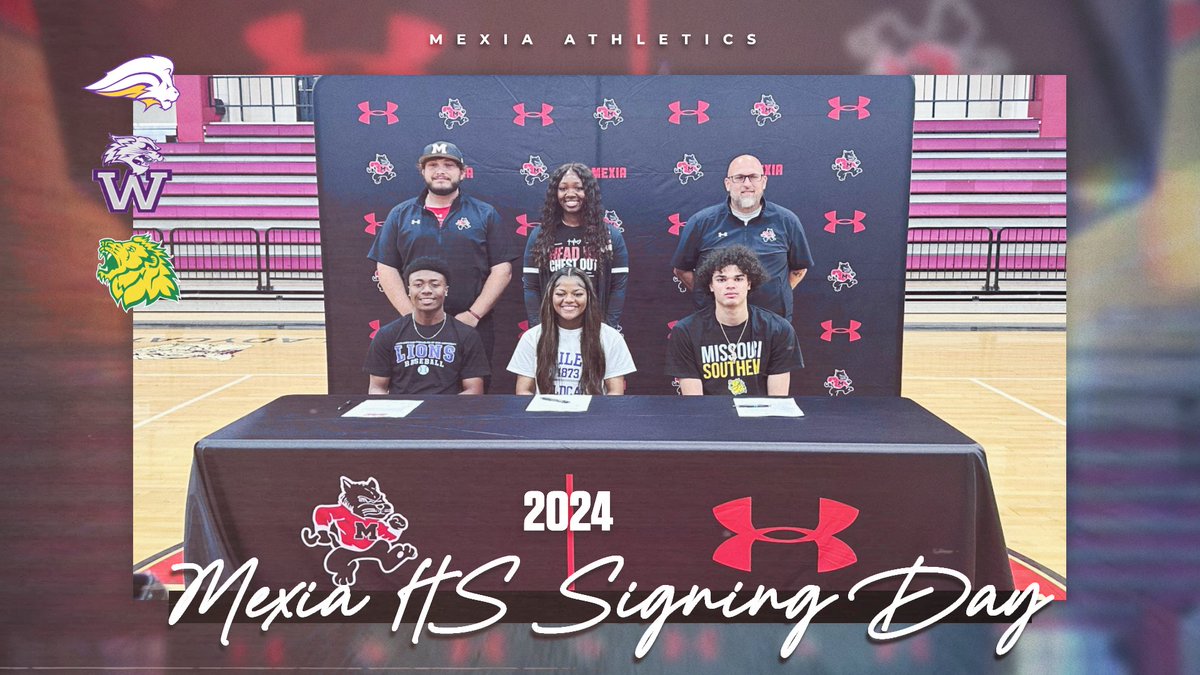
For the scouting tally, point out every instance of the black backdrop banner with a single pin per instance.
(837, 149)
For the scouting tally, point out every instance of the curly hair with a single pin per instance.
(739, 256)
(597, 242)
(590, 346)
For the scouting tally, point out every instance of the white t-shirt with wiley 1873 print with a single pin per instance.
(617, 359)
(735, 361)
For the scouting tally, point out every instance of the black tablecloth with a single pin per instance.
(894, 481)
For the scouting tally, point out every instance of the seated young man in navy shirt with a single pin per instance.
(427, 351)
(732, 347)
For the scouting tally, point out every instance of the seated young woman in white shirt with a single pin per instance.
(583, 355)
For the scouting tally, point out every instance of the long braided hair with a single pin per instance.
(592, 378)
(597, 242)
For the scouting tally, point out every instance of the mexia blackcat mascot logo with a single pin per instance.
(362, 527)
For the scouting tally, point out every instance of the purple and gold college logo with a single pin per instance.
(842, 277)
(362, 526)
(847, 165)
(381, 169)
(766, 110)
(141, 187)
(534, 170)
(148, 79)
(688, 169)
(453, 113)
(608, 114)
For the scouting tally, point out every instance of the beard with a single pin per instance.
(746, 202)
(442, 192)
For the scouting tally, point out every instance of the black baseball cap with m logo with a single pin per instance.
(441, 149)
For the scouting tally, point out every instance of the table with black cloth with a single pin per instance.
(458, 469)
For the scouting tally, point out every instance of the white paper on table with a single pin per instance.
(382, 407)
(559, 403)
(767, 407)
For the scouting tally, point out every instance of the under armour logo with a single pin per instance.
(372, 224)
(722, 235)
(544, 115)
(832, 221)
(389, 112)
(676, 224)
(852, 330)
(838, 108)
(697, 112)
(832, 553)
(374, 328)
(524, 226)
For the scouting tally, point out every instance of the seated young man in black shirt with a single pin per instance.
(732, 347)
(428, 351)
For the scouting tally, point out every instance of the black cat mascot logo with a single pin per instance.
(362, 526)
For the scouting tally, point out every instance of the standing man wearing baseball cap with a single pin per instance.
(443, 222)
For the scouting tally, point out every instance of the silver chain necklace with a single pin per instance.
(740, 335)
(445, 317)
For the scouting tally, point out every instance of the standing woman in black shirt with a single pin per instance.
(573, 234)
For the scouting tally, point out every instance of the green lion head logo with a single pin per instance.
(137, 272)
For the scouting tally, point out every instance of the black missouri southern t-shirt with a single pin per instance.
(740, 364)
(417, 365)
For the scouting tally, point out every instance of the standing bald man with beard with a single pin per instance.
(771, 231)
(443, 222)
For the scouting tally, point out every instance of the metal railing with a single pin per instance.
(987, 256)
(978, 255)
(262, 257)
(978, 96)
(262, 98)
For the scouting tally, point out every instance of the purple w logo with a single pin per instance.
(118, 188)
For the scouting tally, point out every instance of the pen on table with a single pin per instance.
(343, 406)
(752, 405)
(556, 400)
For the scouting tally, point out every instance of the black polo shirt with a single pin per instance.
(470, 240)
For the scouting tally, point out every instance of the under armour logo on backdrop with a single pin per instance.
(676, 224)
(838, 108)
(851, 331)
(678, 112)
(544, 115)
(388, 113)
(372, 223)
(832, 221)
